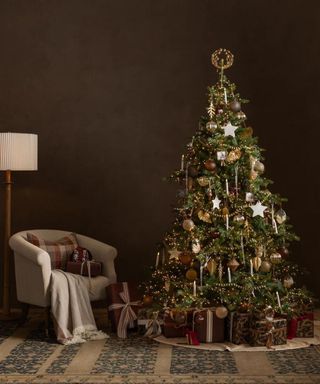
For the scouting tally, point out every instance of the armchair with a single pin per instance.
(33, 267)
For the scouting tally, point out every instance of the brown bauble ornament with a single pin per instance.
(221, 312)
(147, 299)
(193, 171)
(235, 106)
(185, 258)
(188, 225)
(225, 211)
(284, 252)
(191, 274)
(265, 266)
(275, 258)
(210, 165)
(233, 264)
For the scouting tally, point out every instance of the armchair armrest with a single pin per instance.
(101, 252)
(23, 248)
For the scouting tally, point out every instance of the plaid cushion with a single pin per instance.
(59, 250)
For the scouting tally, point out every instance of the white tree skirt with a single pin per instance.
(227, 346)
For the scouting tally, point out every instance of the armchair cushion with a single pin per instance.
(59, 251)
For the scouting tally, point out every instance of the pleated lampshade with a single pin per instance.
(18, 151)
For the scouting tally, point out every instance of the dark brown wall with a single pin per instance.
(115, 89)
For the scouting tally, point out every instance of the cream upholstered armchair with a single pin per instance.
(33, 267)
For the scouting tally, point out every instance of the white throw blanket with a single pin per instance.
(71, 309)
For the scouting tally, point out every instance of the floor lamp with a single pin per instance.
(18, 152)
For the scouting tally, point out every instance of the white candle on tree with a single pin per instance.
(182, 162)
(251, 267)
(278, 300)
(157, 259)
(227, 187)
(194, 288)
(229, 275)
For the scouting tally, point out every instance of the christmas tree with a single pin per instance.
(228, 247)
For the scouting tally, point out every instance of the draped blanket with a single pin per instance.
(71, 309)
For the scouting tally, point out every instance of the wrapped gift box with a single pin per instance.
(79, 268)
(123, 302)
(301, 326)
(176, 323)
(208, 327)
(238, 327)
(150, 322)
(268, 333)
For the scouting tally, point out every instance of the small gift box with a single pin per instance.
(192, 338)
(209, 328)
(301, 326)
(175, 323)
(268, 332)
(238, 327)
(123, 305)
(86, 268)
(149, 323)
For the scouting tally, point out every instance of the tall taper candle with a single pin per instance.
(187, 178)
(278, 300)
(236, 179)
(227, 187)
(157, 259)
(194, 288)
(242, 248)
(227, 222)
(201, 275)
(182, 162)
(225, 96)
(229, 275)
(251, 267)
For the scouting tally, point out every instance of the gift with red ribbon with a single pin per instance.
(123, 305)
(175, 323)
(301, 326)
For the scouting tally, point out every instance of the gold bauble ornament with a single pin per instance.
(221, 312)
(203, 181)
(211, 126)
(191, 274)
(212, 266)
(185, 258)
(265, 266)
(188, 225)
(256, 263)
(234, 155)
(204, 216)
(233, 264)
(246, 133)
(275, 258)
(225, 211)
(288, 282)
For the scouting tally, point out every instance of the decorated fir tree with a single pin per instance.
(228, 247)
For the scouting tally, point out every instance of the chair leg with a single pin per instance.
(47, 320)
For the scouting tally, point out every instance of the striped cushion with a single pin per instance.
(59, 250)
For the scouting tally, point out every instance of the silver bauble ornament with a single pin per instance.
(235, 106)
(275, 258)
(258, 166)
(280, 216)
(288, 282)
(188, 224)
(221, 312)
(239, 218)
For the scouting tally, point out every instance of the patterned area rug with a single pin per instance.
(26, 356)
